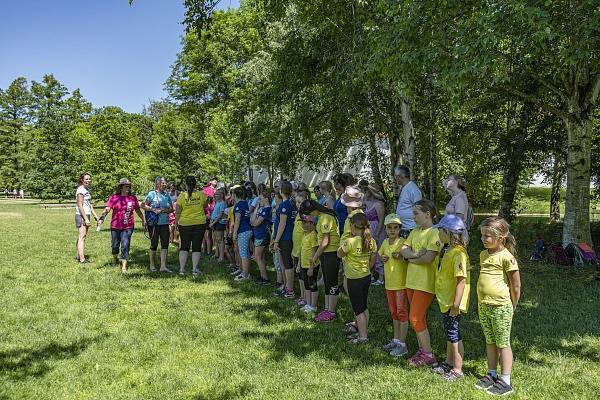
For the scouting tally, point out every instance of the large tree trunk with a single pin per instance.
(576, 226)
(516, 137)
(374, 154)
(433, 161)
(409, 138)
(557, 178)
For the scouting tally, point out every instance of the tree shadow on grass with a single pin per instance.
(20, 364)
(222, 393)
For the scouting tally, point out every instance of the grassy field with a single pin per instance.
(69, 332)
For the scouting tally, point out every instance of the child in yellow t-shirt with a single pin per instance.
(359, 253)
(421, 249)
(452, 289)
(498, 293)
(309, 270)
(395, 284)
(297, 235)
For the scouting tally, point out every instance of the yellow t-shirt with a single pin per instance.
(422, 277)
(455, 263)
(394, 269)
(192, 209)
(493, 285)
(347, 232)
(357, 263)
(297, 235)
(328, 224)
(309, 245)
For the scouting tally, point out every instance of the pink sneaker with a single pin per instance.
(325, 316)
(421, 358)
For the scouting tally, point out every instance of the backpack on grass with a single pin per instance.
(539, 250)
(581, 254)
(555, 254)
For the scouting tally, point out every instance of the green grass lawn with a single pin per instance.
(71, 332)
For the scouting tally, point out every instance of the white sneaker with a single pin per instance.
(378, 282)
(309, 309)
(182, 272)
(242, 277)
(196, 271)
(236, 272)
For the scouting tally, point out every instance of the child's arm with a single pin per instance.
(372, 260)
(422, 259)
(324, 243)
(514, 278)
(280, 229)
(236, 225)
(312, 262)
(461, 282)
(341, 253)
(407, 252)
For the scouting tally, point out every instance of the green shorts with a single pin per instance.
(496, 322)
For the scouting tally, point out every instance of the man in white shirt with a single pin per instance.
(409, 195)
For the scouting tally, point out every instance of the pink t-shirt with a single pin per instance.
(122, 211)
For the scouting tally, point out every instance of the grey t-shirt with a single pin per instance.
(409, 195)
(458, 205)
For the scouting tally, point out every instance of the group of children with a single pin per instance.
(308, 241)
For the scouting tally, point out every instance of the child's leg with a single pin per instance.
(260, 260)
(419, 304)
(358, 292)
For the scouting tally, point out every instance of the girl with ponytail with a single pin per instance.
(359, 253)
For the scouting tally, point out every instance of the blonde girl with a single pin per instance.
(395, 284)
(452, 289)
(297, 236)
(498, 293)
(421, 249)
(359, 253)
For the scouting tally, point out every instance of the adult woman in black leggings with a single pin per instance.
(190, 220)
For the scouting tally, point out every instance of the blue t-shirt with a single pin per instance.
(262, 231)
(159, 200)
(241, 207)
(342, 213)
(286, 207)
(220, 206)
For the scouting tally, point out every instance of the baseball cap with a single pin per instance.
(392, 219)
(451, 223)
(124, 181)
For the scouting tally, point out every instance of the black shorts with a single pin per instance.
(218, 227)
(310, 282)
(358, 292)
(191, 236)
(285, 249)
(330, 266)
(159, 232)
(452, 327)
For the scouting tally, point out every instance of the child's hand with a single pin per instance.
(397, 255)
(310, 271)
(384, 258)
(297, 269)
(454, 311)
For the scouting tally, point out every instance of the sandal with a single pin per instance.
(351, 328)
(352, 336)
(359, 340)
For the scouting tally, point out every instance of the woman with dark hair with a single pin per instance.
(83, 210)
(158, 206)
(122, 204)
(190, 221)
(340, 182)
(328, 238)
(242, 231)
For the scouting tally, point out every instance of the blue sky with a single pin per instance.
(114, 53)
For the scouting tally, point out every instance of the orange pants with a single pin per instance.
(397, 304)
(419, 304)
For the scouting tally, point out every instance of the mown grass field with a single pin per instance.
(69, 332)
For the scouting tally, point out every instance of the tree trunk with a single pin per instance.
(516, 135)
(557, 178)
(433, 161)
(409, 138)
(576, 225)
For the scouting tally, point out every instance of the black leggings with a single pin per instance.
(159, 232)
(330, 264)
(310, 282)
(191, 235)
(358, 291)
(285, 249)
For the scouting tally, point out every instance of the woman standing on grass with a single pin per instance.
(190, 221)
(341, 182)
(122, 204)
(83, 210)
(375, 212)
(158, 207)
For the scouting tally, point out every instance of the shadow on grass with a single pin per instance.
(222, 393)
(20, 364)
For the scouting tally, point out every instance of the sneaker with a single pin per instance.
(452, 376)
(421, 359)
(235, 272)
(301, 302)
(485, 382)
(325, 316)
(359, 340)
(400, 350)
(378, 282)
(263, 281)
(182, 272)
(280, 291)
(153, 269)
(196, 273)
(289, 294)
(500, 388)
(393, 343)
(166, 270)
(242, 277)
(441, 368)
(309, 309)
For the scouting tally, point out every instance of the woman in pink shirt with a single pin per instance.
(122, 204)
